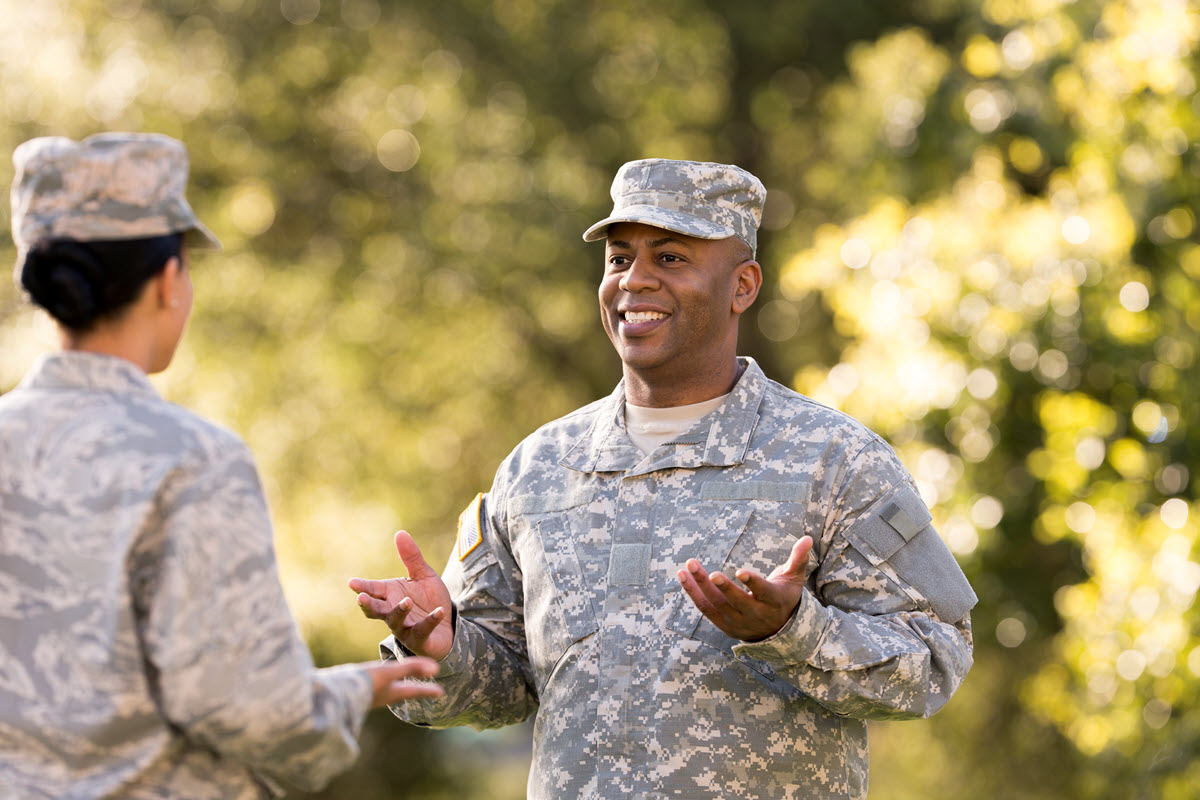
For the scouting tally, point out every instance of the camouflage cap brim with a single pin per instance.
(658, 217)
(199, 237)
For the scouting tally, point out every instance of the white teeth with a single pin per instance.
(643, 316)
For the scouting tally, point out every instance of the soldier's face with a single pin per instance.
(667, 300)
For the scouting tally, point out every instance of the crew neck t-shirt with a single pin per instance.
(650, 427)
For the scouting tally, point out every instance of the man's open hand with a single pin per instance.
(416, 608)
(759, 610)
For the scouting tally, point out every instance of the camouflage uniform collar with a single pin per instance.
(97, 372)
(720, 440)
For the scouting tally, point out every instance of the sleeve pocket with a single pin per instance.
(477, 565)
(899, 533)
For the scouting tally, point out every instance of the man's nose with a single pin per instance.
(640, 276)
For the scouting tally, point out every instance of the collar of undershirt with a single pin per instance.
(674, 419)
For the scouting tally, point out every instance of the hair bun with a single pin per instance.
(66, 279)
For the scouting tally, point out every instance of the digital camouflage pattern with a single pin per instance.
(146, 649)
(571, 606)
(696, 198)
(107, 186)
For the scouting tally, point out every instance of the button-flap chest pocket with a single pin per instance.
(572, 594)
(553, 524)
(557, 597)
(727, 526)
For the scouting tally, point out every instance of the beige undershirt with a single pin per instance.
(650, 427)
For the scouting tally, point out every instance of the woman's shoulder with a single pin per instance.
(198, 436)
(197, 439)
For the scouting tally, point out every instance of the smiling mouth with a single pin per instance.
(635, 317)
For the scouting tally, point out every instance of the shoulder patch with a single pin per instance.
(470, 528)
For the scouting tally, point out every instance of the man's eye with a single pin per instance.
(618, 262)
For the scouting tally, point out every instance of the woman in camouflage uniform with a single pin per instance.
(146, 649)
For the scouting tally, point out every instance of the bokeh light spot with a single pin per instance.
(1157, 713)
(252, 208)
(1081, 517)
(1135, 296)
(842, 379)
(1025, 154)
(1076, 229)
(1018, 50)
(398, 150)
(1010, 632)
(1089, 452)
(856, 253)
(1147, 416)
(982, 383)
(1131, 664)
(960, 535)
(1174, 513)
(779, 320)
(300, 12)
(987, 511)
(1023, 355)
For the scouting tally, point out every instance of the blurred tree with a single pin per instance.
(979, 239)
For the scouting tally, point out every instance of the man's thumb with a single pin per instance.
(410, 554)
(798, 561)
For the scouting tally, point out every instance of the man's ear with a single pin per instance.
(167, 283)
(748, 277)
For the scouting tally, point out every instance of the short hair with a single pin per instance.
(79, 283)
(742, 250)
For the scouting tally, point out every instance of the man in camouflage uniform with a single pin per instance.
(580, 585)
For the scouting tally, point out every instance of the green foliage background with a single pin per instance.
(979, 239)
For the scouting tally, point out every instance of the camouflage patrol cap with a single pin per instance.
(108, 186)
(696, 198)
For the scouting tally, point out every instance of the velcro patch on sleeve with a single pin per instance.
(900, 521)
(470, 528)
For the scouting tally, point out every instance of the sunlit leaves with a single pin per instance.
(1055, 270)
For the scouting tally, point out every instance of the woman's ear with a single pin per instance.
(748, 275)
(168, 283)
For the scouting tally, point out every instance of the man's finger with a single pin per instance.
(798, 562)
(733, 594)
(410, 554)
(763, 590)
(395, 618)
(373, 588)
(373, 607)
(704, 583)
(693, 592)
(422, 630)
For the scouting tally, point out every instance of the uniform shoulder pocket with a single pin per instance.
(472, 553)
(898, 531)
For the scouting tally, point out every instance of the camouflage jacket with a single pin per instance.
(566, 599)
(146, 649)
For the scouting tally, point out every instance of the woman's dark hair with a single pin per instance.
(81, 282)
